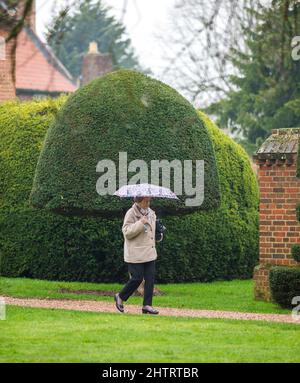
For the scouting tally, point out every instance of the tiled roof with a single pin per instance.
(37, 68)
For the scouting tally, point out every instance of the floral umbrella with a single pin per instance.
(145, 190)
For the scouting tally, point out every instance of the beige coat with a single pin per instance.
(139, 246)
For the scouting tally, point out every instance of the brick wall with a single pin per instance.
(8, 64)
(31, 17)
(278, 227)
(7, 73)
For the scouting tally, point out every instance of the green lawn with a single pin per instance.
(234, 295)
(44, 335)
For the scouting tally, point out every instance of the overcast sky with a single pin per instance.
(144, 20)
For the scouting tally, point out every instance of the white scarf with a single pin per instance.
(145, 212)
(142, 210)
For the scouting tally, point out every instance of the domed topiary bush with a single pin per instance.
(123, 111)
(203, 246)
(219, 244)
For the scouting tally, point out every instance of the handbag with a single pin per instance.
(159, 230)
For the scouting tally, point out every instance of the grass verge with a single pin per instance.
(236, 295)
(45, 335)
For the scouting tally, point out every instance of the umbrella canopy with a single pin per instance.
(145, 190)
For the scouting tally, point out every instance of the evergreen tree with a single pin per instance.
(72, 29)
(267, 94)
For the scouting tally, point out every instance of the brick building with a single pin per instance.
(7, 79)
(279, 195)
(29, 67)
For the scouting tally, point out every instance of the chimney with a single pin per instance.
(95, 64)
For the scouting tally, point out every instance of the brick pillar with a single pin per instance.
(95, 64)
(7, 70)
(279, 195)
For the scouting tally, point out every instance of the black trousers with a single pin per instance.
(140, 271)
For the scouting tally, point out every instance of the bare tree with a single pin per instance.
(203, 34)
(13, 14)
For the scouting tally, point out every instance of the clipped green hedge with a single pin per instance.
(284, 284)
(35, 243)
(22, 131)
(202, 246)
(123, 111)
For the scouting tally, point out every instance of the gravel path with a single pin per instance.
(109, 307)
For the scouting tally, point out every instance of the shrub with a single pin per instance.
(298, 212)
(203, 246)
(124, 111)
(296, 252)
(284, 284)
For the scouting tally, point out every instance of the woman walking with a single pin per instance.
(139, 253)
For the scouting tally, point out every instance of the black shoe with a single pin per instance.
(119, 305)
(147, 311)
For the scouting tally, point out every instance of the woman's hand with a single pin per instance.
(145, 220)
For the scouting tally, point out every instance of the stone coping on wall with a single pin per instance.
(279, 148)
